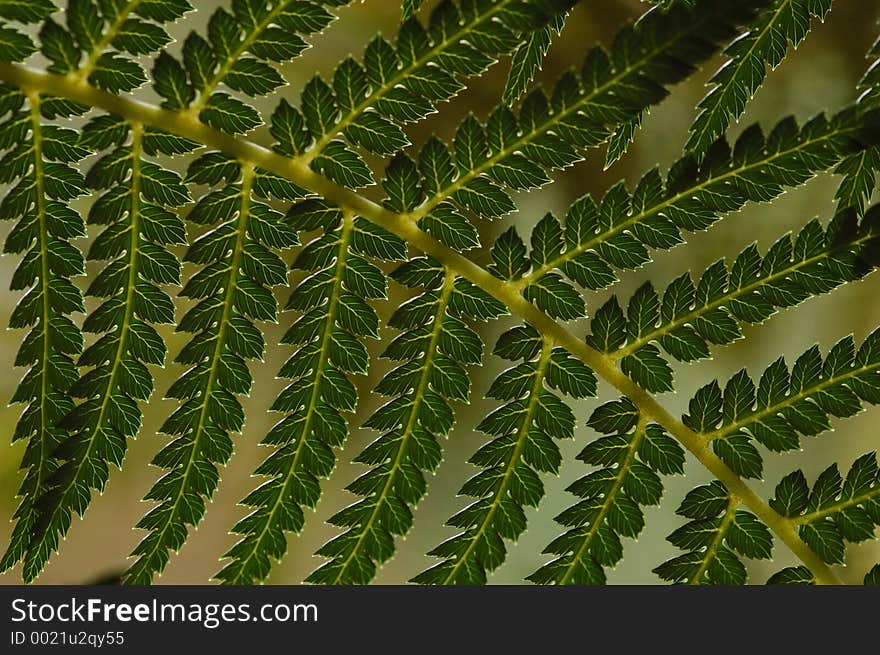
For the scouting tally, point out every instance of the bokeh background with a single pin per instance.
(820, 76)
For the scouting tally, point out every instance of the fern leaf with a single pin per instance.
(103, 39)
(232, 290)
(872, 577)
(690, 315)
(523, 431)
(435, 346)
(335, 318)
(242, 51)
(529, 56)
(369, 101)
(718, 534)
(765, 44)
(611, 497)
(785, 404)
(860, 170)
(517, 151)
(135, 239)
(44, 181)
(617, 232)
(835, 510)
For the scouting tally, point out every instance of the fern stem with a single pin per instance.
(717, 540)
(835, 508)
(608, 502)
(323, 358)
(521, 438)
(401, 74)
(419, 394)
(39, 185)
(403, 226)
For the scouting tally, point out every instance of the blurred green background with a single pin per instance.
(820, 76)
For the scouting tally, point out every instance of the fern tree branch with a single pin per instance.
(134, 241)
(504, 291)
(43, 228)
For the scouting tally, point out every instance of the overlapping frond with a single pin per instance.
(137, 206)
(629, 461)
(785, 404)
(369, 101)
(517, 151)
(523, 432)
(618, 231)
(860, 170)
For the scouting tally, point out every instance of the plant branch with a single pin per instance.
(403, 226)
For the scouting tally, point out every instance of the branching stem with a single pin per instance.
(507, 292)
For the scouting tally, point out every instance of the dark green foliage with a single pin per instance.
(629, 461)
(715, 538)
(517, 151)
(435, 345)
(232, 291)
(618, 231)
(39, 164)
(764, 45)
(85, 126)
(524, 430)
(138, 230)
(786, 404)
(835, 510)
(335, 317)
(692, 315)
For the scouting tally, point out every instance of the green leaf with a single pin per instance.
(765, 44)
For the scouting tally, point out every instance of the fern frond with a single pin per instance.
(785, 404)
(517, 151)
(242, 51)
(765, 44)
(336, 316)
(611, 497)
(434, 347)
(233, 290)
(717, 535)
(38, 162)
(690, 316)
(872, 577)
(523, 431)
(369, 101)
(529, 56)
(618, 231)
(103, 39)
(835, 511)
(135, 239)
